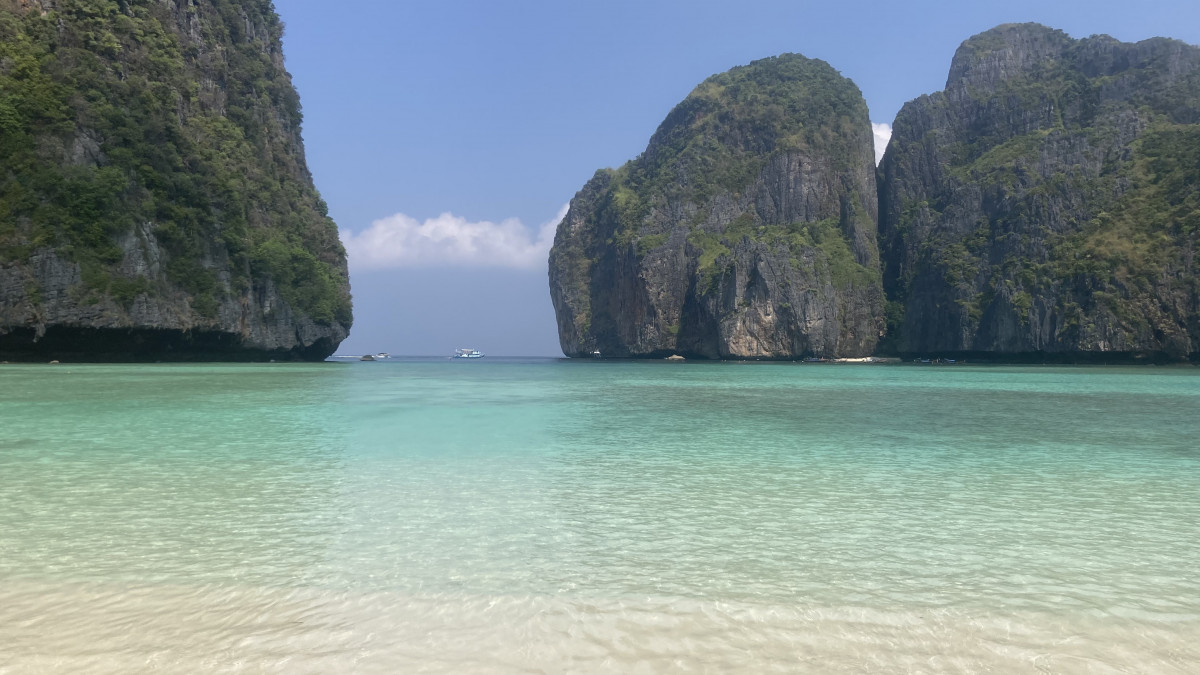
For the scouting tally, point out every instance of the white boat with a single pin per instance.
(467, 353)
(383, 355)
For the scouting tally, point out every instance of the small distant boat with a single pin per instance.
(382, 355)
(366, 357)
(467, 354)
(596, 354)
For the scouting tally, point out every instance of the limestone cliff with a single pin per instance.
(154, 198)
(1047, 203)
(745, 230)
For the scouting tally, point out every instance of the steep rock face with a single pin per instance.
(154, 198)
(745, 230)
(1047, 202)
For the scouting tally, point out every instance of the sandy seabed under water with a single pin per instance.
(598, 518)
(91, 628)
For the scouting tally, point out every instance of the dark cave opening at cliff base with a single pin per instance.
(143, 345)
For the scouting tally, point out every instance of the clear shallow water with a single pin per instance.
(508, 516)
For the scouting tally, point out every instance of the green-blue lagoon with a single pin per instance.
(429, 515)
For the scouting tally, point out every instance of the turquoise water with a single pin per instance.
(516, 515)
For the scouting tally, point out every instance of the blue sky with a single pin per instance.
(448, 136)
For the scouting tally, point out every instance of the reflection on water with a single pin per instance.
(598, 517)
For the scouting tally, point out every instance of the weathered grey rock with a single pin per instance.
(745, 230)
(125, 296)
(1043, 205)
(45, 309)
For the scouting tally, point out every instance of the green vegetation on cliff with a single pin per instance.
(724, 133)
(750, 214)
(721, 138)
(121, 114)
(1047, 201)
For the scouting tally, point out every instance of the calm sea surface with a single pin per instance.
(545, 515)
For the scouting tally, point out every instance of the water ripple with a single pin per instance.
(420, 517)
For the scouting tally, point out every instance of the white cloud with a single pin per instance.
(450, 241)
(883, 133)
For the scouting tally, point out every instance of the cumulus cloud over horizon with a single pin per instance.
(883, 133)
(401, 241)
(450, 241)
